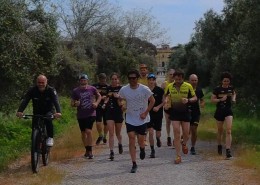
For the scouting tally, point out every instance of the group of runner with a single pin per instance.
(141, 103)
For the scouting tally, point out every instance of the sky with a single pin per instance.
(176, 16)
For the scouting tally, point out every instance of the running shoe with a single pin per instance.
(142, 154)
(228, 154)
(111, 156)
(177, 160)
(104, 140)
(120, 148)
(169, 141)
(219, 149)
(49, 141)
(158, 142)
(152, 155)
(185, 149)
(192, 151)
(86, 154)
(90, 156)
(134, 168)
(99, 139)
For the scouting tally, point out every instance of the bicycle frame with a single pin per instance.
(38, 145)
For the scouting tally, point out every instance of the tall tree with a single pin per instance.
(28, 42)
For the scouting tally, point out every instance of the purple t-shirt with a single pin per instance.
(86, 97)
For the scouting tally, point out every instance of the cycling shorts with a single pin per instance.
(221, 114)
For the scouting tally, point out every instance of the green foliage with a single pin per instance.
(28, 45)
(227, 42)
(246, 131)
(15, 134)
(14, 137)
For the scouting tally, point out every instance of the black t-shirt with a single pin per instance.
(219, 92)
(112, 102)
(158, 96)
(102, 89)
(195, 106)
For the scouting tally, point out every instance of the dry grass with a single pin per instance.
(66, 147)
(249, 158)
(245, 158)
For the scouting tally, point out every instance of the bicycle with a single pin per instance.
(38, 145)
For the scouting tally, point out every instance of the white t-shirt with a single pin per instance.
(136, 103)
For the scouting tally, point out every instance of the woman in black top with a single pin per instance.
(223, 95)
(114, 114)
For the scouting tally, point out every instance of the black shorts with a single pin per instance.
(221, 114)
(100, 115)
(168, 111)
(195, 119)
(155, 123)
(176, 115)
(86, 123)
(141, 129)
(114, 114)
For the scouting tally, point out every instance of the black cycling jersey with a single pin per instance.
(219, 92)
(102, 89)
(112, 102)
(194, 106)
(43, 102)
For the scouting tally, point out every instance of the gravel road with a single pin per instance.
(205, 168)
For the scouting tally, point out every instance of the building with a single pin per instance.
(162, 58)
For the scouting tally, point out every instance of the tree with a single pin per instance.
(28, 42)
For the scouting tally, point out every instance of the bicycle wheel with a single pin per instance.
(35, 150)
(45, 153)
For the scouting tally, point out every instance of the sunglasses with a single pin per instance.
(132, 78)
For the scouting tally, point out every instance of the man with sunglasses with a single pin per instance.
(137, 110)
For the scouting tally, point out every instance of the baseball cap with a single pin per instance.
(83, 76)
(151, 75)
(102, 76)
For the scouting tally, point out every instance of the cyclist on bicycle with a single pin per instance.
(44, 99)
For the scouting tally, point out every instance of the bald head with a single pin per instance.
(41, 82)
(193, 79)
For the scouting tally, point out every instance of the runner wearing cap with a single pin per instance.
(156, 114)
(86, 98)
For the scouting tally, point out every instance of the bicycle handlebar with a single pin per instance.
(27, 116)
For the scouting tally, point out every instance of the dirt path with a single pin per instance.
(205, 168)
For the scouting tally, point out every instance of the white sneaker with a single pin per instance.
(49, 141)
